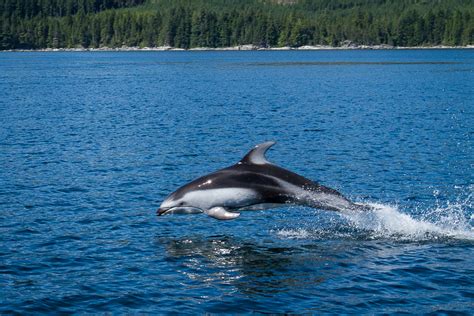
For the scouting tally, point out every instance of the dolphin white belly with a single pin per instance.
(225, 197)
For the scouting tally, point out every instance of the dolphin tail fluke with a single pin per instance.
(221, 213)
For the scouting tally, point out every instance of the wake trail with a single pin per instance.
(386, 221)
(448, 221)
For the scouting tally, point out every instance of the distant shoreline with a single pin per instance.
(238, 48)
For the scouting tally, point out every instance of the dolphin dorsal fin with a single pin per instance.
(257, 154)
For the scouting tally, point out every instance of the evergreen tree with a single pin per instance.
(219, 23)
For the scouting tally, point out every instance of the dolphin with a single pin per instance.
(253, 183)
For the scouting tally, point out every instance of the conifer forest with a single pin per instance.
(38, 24)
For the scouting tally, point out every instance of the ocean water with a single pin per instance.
(91, 143)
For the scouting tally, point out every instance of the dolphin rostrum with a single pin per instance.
(253, 183)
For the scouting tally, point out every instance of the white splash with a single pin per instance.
(448, 220)
(299, 233)
(387, 221)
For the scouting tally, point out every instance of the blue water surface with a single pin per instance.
(92, 142)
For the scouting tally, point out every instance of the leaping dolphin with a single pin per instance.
(253, 183)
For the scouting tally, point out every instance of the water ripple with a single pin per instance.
(90, 143)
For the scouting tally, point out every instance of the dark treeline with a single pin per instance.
(31, 8)
(33, 24)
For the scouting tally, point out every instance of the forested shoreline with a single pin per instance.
(40, 24)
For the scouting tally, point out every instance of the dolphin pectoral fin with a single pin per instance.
(221, 213)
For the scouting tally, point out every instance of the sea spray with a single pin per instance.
(386, 221)
(445, 220)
